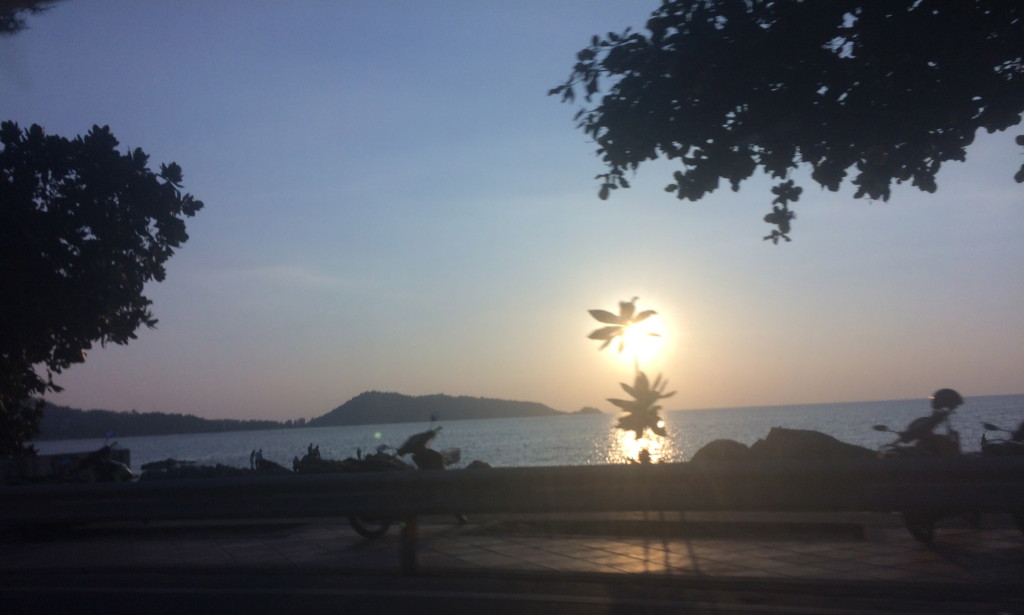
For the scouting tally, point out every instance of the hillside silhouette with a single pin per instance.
(378, 407)
(63, 423)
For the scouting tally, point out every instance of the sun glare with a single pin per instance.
(640, 345)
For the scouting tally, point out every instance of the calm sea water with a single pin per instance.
(565, 440)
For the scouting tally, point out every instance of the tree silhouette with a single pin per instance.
(874, 92)
(82, 229)
(13, 12)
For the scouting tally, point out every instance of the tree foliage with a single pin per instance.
(618, 324)
(13, 12)
(875, 93)
(83, 228)
(642, 410)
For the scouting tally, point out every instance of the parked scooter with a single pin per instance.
(99, 466)
(1009, 444)
(920, 439)
(385, 459)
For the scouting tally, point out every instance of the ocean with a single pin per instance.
(564, 440)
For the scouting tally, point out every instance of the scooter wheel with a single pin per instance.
(921, 526)
(369, 527)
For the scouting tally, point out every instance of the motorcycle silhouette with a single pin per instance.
(384, 459)
(1010, 444)
(920, 439)
(99, 466)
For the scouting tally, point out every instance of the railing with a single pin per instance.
(966, 484)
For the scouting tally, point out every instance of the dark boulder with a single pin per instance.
(783, 443)
(266, 466)
(780, 444)
(722, 451)
(190, 470)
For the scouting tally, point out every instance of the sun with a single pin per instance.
(640, 346)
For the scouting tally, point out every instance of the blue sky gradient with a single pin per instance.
(394, 203)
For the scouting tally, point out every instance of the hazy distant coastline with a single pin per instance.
(373, 407)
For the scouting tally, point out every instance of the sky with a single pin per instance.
(394, 203)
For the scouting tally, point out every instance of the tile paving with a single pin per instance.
(992, 555)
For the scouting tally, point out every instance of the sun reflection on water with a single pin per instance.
(624, 447)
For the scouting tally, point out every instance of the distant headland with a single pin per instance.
(372, 407)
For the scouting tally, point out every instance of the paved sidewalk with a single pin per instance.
(991, 556)
(515, 566)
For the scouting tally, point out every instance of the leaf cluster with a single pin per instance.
(642, 410)
(12, 14)
(618, 324)
(83, 228)
(876, 93)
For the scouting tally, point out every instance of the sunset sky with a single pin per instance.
(394, 203)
